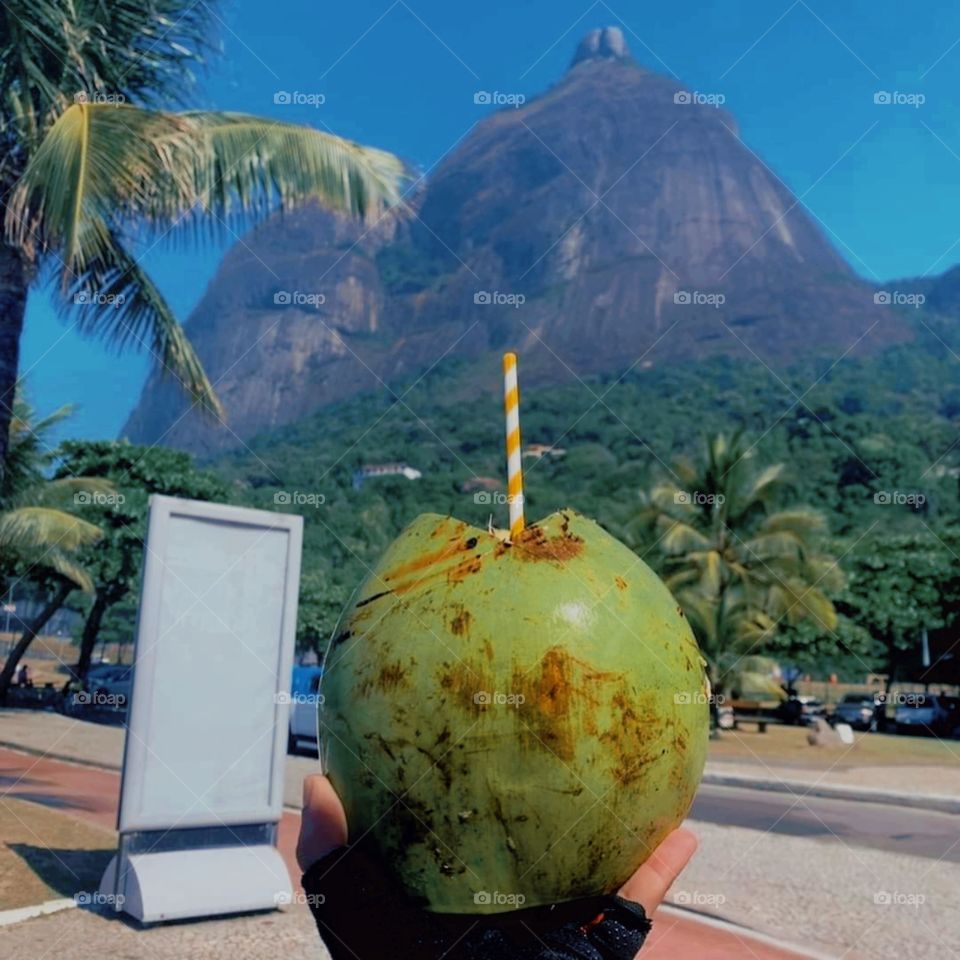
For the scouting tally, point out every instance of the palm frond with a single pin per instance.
(62, 563)
(98, 163)
(103, 168)
(794, 601)
(28, 528)
(679, 537)
(247, 165)
(116, 301)
(132, 50)
(67, 492)
(803, 523)
(777, 545)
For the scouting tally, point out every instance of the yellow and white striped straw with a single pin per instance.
(511, 407)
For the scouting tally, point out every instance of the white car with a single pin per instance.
(929, 713)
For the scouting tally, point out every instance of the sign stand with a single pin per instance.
(202, 789)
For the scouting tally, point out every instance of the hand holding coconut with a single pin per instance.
(396, 928)
(512, 727)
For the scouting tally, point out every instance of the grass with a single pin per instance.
(788, 745)
(47, 855)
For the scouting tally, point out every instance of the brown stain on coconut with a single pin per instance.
(463, 681)
(634, 742)
(460, 624)
(427, 560)
(534, 544)
(391, 676)
(560, 700)
(457, 560)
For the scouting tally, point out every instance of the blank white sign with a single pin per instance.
(207, 729)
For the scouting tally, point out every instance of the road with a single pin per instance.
(923, 833)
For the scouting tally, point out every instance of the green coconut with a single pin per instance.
(513, 724)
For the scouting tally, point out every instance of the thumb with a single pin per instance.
(323, 822)
(650, 883)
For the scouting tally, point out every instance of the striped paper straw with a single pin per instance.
(511, 407)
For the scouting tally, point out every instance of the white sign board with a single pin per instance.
(207, 727)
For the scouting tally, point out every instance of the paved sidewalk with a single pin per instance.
(54, 735)
(87, 792)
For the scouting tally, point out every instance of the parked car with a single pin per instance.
(810, 709)
(863, 711)
(928, 713)
(304, 699)
(108, 687)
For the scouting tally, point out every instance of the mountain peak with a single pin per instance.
(606, 43)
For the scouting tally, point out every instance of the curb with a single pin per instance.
(941, 803)
(37, 910)
(728, 926)
(60, 757)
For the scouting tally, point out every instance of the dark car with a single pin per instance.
(811, 708)
(863, 711)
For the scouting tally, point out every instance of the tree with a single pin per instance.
(738, 567)
(134, 472)
(92, 164)
(41, 533)
(898, 586)
(321, 603)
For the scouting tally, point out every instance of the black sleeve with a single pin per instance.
(362, 914)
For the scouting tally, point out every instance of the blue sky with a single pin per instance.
(884, 180)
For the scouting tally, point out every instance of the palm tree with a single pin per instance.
(738, 567)
(37, 525)
(92, 164)
(39, 533)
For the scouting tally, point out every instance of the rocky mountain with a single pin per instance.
(615, 221)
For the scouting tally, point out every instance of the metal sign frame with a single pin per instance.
(232, 849)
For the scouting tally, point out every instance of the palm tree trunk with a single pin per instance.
(33, 628)
(14, 281)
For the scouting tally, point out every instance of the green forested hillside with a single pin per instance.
(872, 443)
